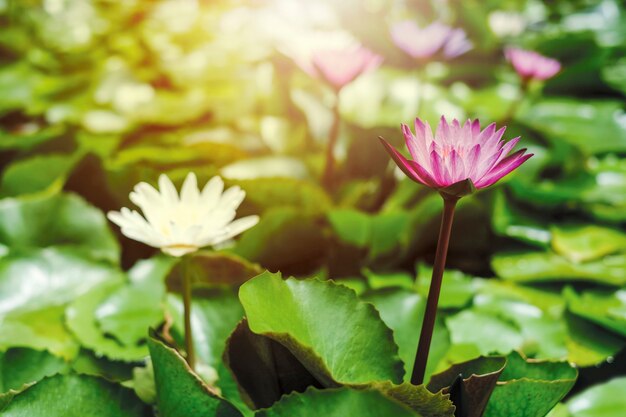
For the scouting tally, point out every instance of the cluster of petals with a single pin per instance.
(422, 43)
(179, 225)
(532, 65)
(341, 66)
(457, 153)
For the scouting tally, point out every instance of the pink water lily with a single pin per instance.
(532, 65)
(421, 43)
(339, 67)
(457, 153)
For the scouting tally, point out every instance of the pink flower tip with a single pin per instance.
(532, 65)
(339, 67)
(423, 43)
(457, 158)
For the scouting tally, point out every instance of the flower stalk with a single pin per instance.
(187, 296)
(428, 324)
(333, 135)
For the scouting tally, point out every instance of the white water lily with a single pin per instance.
(179, 225)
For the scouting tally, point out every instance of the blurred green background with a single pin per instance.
(96, 96)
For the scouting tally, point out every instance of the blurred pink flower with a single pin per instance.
(424, 42)
(532, 65)
(339, 67)
(457, 153)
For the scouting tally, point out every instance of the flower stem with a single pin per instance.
(186, 276)
(428, 325)
(333, 135)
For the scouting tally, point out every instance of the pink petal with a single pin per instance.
(457, 169)
(439, 172)
(408, 167)
(471, 161)
(505, 166)
(442, 134)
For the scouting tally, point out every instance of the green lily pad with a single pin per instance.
(351, 226)
(488, 333)
(180, 392)
(580, 123)
(602, 400)
(263, 194)
(75, 396)
(337, 403)
(587, 242)
(457, 289)
(56, 220)
(21, 367)
(550, 267)
(607, 309)
(36, 174)
(128, 312)
(42, 329)
(589, 344)
(81, 320)
(316, 321)
(214, 268)
(214, 315)
(510, 221)
(285, 238)
(530, 388)
(403, 312)
(35, 287)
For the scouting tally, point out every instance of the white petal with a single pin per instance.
(237, 227)
(168, 191)
(232, 198)
(212, 192)
(189, 194)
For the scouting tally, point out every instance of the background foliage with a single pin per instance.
(96, 96)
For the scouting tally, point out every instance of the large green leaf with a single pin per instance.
(337, 403)
(75, 396)
(35, 286)
(378, 233)
(286, 239)
(486, 332)
(37, 279)
(214, 315)
(403, 312)
(130, 311)
(82, 321)
(266, 193)
(213, 268)
(602, 400)
(457, 288)
(36, 174)
(607, 309)
(42, 329)
(589, 344)
(180, 392)
(529, 388)
(56, 220)
(20, 367)
(592, 126)
(587, 242)
(337, 337)
(549, 266)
